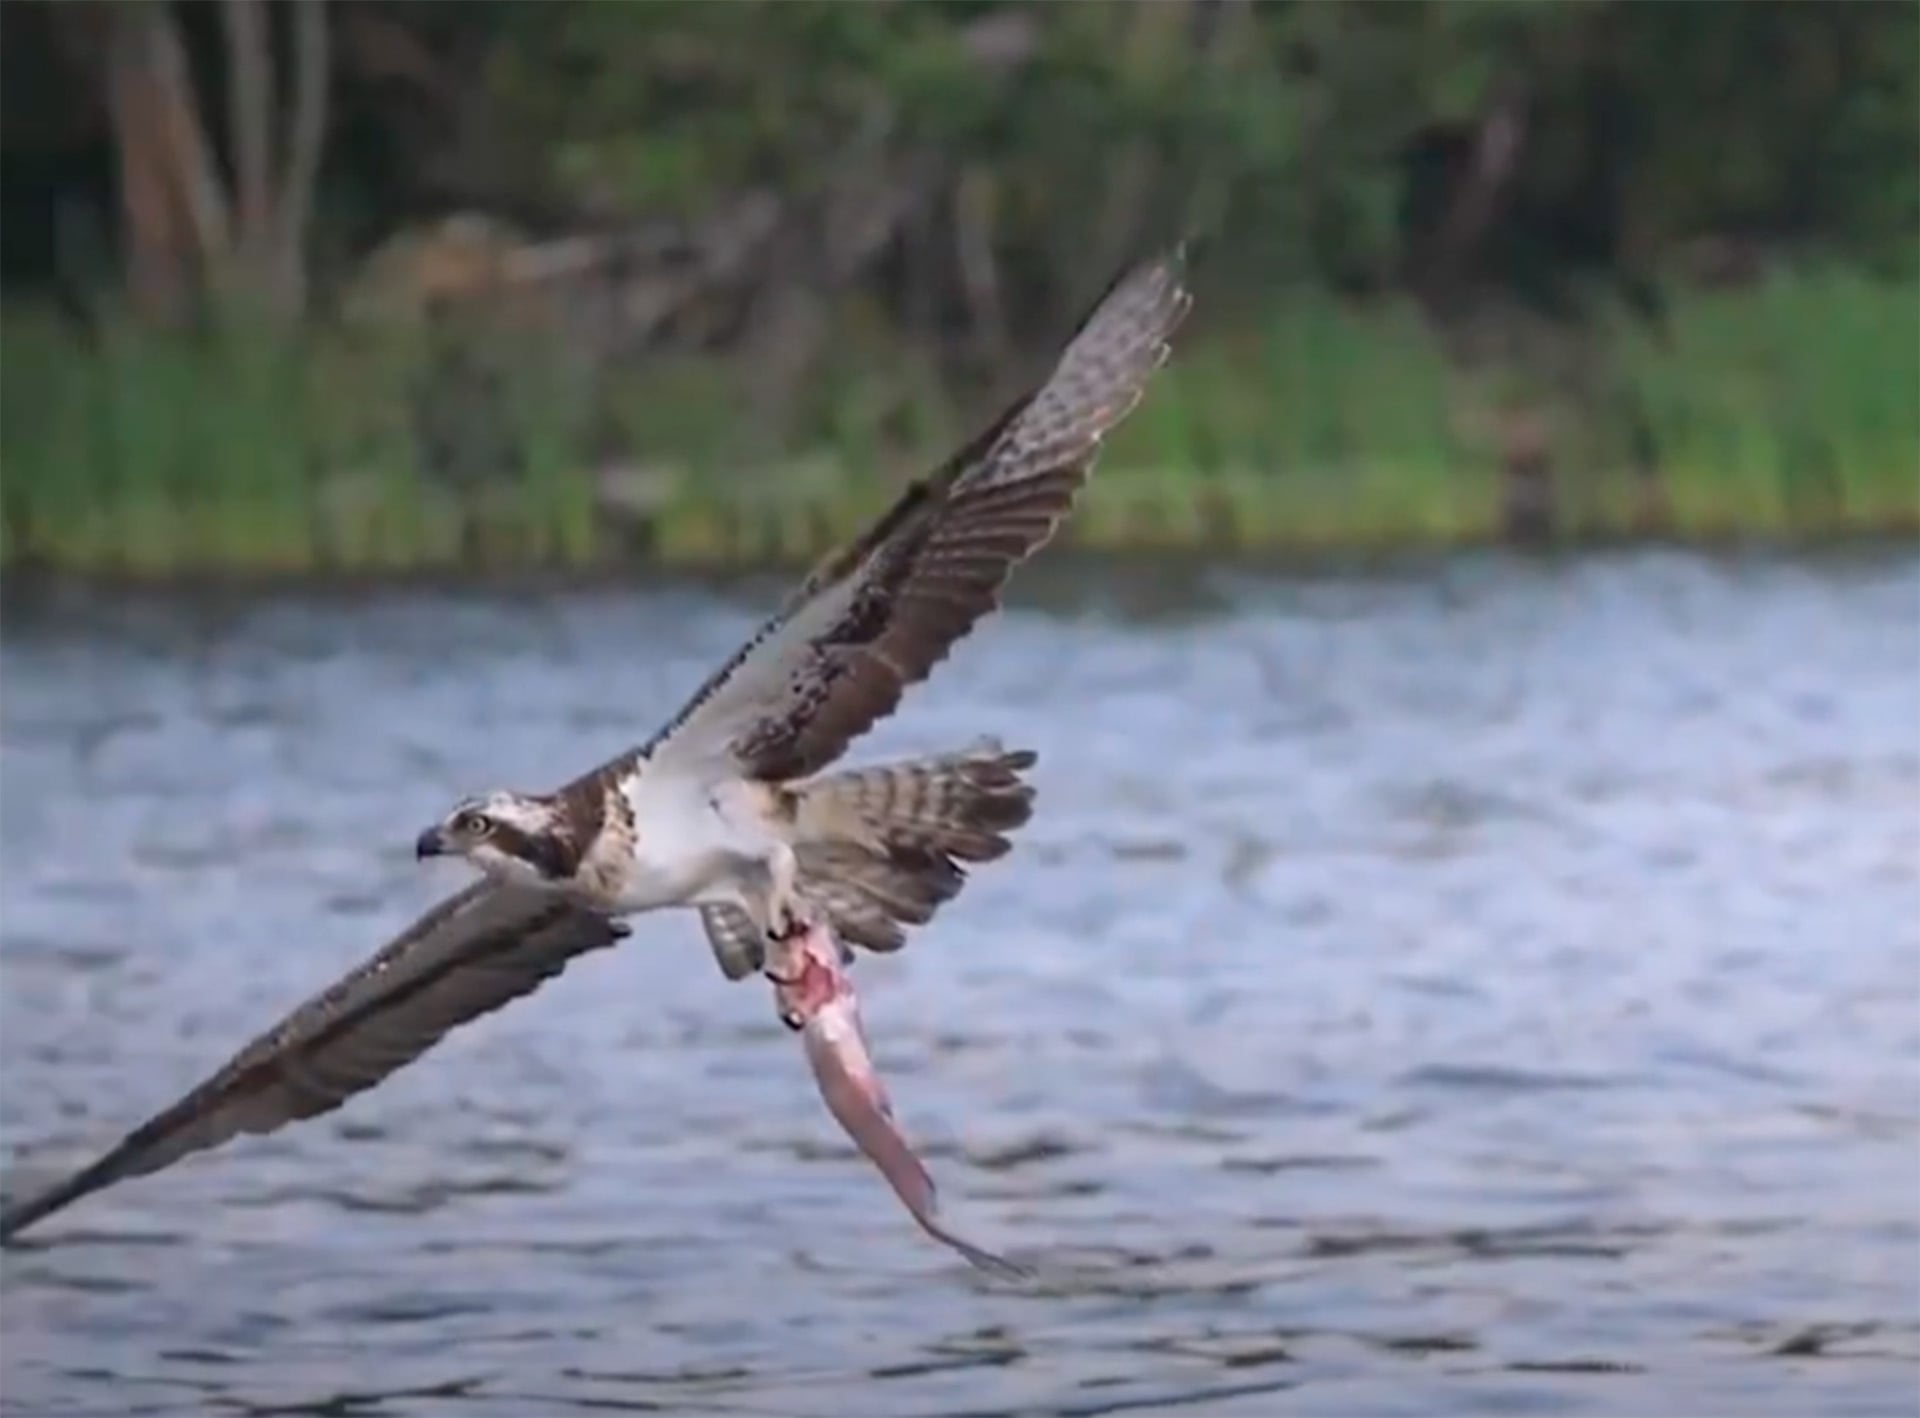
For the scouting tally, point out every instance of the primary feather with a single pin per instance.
(880, 613)
(875, 849)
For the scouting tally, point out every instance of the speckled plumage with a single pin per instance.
(703, 814)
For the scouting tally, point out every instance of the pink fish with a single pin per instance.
(816, 998)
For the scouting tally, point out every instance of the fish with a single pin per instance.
(816, 999)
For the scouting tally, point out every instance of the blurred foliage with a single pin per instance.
(1785, 411)
(1325, 140)
(700, 279)
(1294, 129)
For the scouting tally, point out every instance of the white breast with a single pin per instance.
(692, 842)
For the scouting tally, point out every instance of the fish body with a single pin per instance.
(816, 998)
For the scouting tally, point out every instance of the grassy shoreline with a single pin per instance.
(1784, 413)
(24, 584)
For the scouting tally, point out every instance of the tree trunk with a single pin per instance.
(312, 67)
(250, 107)
(159, 260)
(175, 210)
(189, 242)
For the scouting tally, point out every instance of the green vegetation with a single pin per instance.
(1789, 409)
(364, 289)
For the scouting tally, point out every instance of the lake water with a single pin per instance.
(1490, 987)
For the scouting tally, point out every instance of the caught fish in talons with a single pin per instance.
(738, 806)
(815, 997)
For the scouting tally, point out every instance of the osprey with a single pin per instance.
(726, 810)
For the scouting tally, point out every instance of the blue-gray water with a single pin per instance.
(1491, 989)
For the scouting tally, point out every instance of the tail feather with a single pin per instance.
(881, 849)
(960, 804)
(870, 899)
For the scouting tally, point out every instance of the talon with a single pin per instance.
(784, 981)
(793, 1020)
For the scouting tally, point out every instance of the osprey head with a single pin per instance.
(508, 836)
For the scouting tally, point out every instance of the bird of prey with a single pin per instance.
(726, 810)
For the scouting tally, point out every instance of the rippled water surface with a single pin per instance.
(1488, 989)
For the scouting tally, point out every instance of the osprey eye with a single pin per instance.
(472, 824)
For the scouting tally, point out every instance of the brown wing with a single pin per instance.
(465, 957)
(880, 613)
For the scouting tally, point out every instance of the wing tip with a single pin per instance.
(1158, 282)
(37, 1206)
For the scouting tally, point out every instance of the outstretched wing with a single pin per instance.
(878, 614)
(465, 957)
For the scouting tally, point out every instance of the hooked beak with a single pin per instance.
(431, 843)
